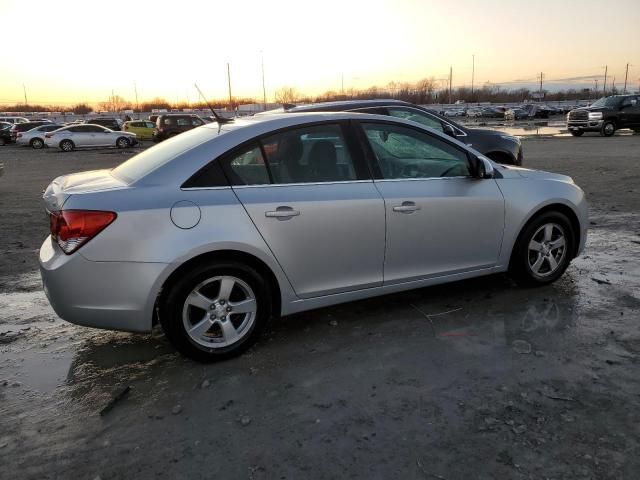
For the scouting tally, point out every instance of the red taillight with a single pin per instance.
(19, 135)
(126, 127)
(73, 228)
(48, 135)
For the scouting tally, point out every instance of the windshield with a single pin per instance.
(606, 102)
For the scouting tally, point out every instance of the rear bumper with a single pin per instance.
(110, 295)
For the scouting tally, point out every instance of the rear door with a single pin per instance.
(310, 194)
(440, 220)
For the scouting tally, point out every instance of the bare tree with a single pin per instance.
(287, 95)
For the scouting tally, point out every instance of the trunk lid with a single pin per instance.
(63, 187)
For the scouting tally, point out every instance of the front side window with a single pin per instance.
(309, 155)
(405, 153)
(416, 116)
(196, 122)
(183, 122)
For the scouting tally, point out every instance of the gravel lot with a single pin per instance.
(472, 380)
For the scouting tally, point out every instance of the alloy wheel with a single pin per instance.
(219, 312)
(546, 250)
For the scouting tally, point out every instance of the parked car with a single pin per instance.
(515, 113)
(606, 116)
(225, 226)
(114, 124)
(23, 127)
(36, 136)
(13, 119)
(474, 112)
(142, 128)
(498, 146)
(5, 133)
(87, 135)
(535, 110)
(171, 124)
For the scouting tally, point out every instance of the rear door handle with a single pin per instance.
(282, 213)
(406, 207)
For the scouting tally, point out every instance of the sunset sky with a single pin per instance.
(67, 51)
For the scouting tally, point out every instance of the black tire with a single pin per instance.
(172, 305)
(608, 128)
(123, 142)
(67, 145)
(576, 133)
(520, 267)
(36, 143)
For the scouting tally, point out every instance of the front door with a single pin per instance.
(440, 219)
(315, 205)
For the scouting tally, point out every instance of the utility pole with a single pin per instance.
(596, 91)
(135, 89)
(473, 71)
(626, 74)
(264, 90)
(604, 87)
(24, 89)
(229, 80)
(541, 77)
(613, 86)
(450, 82)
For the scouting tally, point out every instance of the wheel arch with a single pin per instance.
(552, 207)
(227, 255)
(501, 156)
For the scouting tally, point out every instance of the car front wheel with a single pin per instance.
(37, 143)
(215, 311)
(608, 129)
(122, 142)
(543, 250)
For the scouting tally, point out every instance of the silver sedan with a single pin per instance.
(88, 136)
(225, 226)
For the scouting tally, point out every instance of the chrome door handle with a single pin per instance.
(406, 207)
(282, 213)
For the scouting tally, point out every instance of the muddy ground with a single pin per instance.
(472, 380)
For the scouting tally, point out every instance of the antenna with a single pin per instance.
(218, 118)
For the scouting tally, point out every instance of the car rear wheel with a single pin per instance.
(66, 145)
(576, 133)
(608, 129)
(543, 250)
(122, 142)
(37, 143)
(215, 311)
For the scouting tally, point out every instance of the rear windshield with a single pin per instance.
(144, 163)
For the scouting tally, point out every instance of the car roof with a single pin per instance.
(351, 104)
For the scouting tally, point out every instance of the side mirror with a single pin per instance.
(448, 130)
(484, 167)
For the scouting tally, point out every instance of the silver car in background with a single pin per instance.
(36, 136)
(88, 136)
(225, 226)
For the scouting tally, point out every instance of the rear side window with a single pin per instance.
(309, 155)
(248, 167)
(183, 122)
